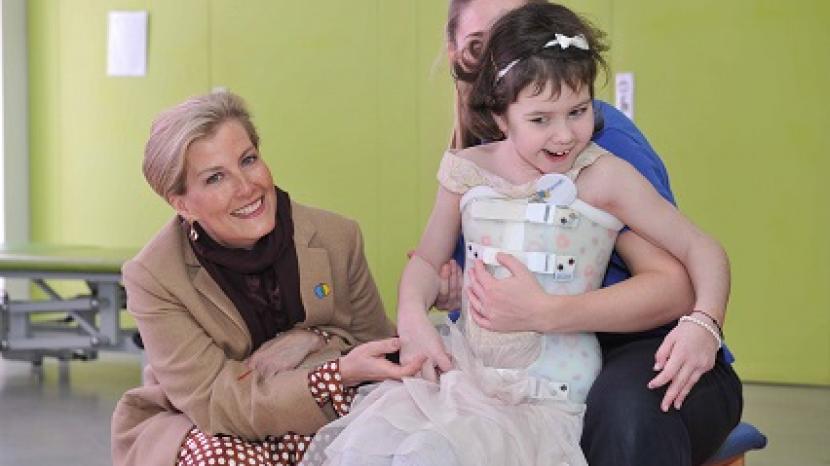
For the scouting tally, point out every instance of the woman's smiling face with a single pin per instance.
(229, 188)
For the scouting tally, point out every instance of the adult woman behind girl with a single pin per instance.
(623, 422)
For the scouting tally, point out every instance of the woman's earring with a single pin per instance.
(194, 235)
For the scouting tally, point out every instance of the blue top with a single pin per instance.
(618, 135)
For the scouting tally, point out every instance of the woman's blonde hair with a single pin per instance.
(175, 129)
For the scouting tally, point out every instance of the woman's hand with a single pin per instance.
(510, 304)
(449, 293)
(687, 352)
(420, 342)
(285, 351)
(368, 363)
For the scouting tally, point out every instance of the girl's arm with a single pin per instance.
(658, 292)
(420, 283)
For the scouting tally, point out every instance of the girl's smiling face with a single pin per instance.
(546, 130)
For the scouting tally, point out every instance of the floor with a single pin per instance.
(796, 421)
(46, 422)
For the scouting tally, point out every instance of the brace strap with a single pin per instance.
(541, 389)
(562, 267)
(533, 212)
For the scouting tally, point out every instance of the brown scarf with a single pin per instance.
(263, 282)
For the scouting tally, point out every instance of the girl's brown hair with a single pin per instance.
(521, 35)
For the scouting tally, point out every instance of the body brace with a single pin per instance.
(566, 243)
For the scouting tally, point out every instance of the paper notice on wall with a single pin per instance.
(624, 93)
(127, 43)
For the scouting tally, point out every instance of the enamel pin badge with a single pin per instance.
(322, 290)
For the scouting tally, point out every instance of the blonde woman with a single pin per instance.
(255, 310)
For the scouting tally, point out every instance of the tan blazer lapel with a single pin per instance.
(315, 278)
(315, 272)
(208, 287)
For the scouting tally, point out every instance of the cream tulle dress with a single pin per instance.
(512, 398)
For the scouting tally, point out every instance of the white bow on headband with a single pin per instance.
(579, 41)
(563, 41)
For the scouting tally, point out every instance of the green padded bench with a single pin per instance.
(88, 322)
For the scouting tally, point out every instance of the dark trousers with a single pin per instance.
(625, 426)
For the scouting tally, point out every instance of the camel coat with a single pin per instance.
(196, 341)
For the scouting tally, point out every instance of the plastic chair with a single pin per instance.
(743, 438)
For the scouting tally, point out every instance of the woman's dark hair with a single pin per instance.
(465, 58)
(521, 35)
(455, 9)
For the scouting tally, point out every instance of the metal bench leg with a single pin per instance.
(63, 372)
(37, 368)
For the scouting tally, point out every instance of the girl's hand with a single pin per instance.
(285, 351)
(368, 363)
(686, 353)
(507, 305)
(420, 342)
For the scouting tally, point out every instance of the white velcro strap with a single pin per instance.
(497, 209)
(538, 262)
(488, 255)
(536, 212)
(533, 212)
(538, 388)
(560, 266)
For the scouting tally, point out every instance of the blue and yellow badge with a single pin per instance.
(322, 290)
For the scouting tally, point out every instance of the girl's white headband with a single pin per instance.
(579, 41)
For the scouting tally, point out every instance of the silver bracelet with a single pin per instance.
(703, 324)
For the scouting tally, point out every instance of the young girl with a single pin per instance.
(546, 195)
(649, 358)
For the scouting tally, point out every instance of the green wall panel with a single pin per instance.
(353, 103)
(334, 92)
(88, 130)
(733, 96)
(44, 116)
